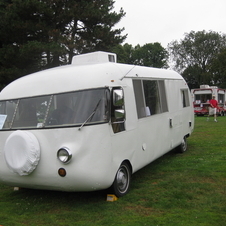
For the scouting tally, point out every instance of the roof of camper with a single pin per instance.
(80, 75)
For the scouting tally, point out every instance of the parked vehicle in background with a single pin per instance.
(89, 125)
(201, 97)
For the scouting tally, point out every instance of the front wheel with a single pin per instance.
(183, 146)
(121, 184)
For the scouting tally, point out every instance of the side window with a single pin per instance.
(185, 98)
(162, 95)
(139, 97)
(117, 110)
(220, 98)
(150, 96)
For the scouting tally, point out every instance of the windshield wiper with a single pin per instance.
(91, 115)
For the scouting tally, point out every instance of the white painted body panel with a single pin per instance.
(97, 151)
(84, 172)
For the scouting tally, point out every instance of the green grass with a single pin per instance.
(178, 189)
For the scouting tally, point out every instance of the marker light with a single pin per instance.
(62, 172)
(64, 155)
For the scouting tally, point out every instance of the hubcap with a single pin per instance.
(184, 145)
(122, 179)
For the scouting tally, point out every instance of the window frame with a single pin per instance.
(185, 98)
(140, 92)
(44, 124)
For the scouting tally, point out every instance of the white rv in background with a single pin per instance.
(201, 97)
(90, 125)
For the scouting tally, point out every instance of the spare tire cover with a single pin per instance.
(22, 152)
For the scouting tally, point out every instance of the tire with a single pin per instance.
(183, 146)
(121, 184)
(22, 152)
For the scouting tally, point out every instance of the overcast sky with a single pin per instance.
(149, 21)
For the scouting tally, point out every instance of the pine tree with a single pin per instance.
(39, 34)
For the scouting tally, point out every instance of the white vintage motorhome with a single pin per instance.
(90, 125)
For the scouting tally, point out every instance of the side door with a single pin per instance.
(153, 122)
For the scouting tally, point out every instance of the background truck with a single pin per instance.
(201, 97)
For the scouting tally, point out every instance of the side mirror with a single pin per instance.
(118, 98)
(120, 114)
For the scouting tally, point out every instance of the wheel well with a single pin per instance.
(187, 135)
(128, 162)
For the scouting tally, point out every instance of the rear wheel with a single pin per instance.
(121, 184)
(183, 146)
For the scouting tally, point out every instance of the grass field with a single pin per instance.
(178, 189)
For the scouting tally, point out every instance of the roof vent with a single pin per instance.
(94, 58)
(204, 86)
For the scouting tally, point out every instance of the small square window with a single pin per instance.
(185, 98)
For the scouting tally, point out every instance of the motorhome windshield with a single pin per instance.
(202, 98)
(57, 110)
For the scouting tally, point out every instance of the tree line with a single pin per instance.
(40, 34)
(201, 58)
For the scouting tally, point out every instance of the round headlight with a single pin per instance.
(64, 155)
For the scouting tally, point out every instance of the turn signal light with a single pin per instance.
(62, 172)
